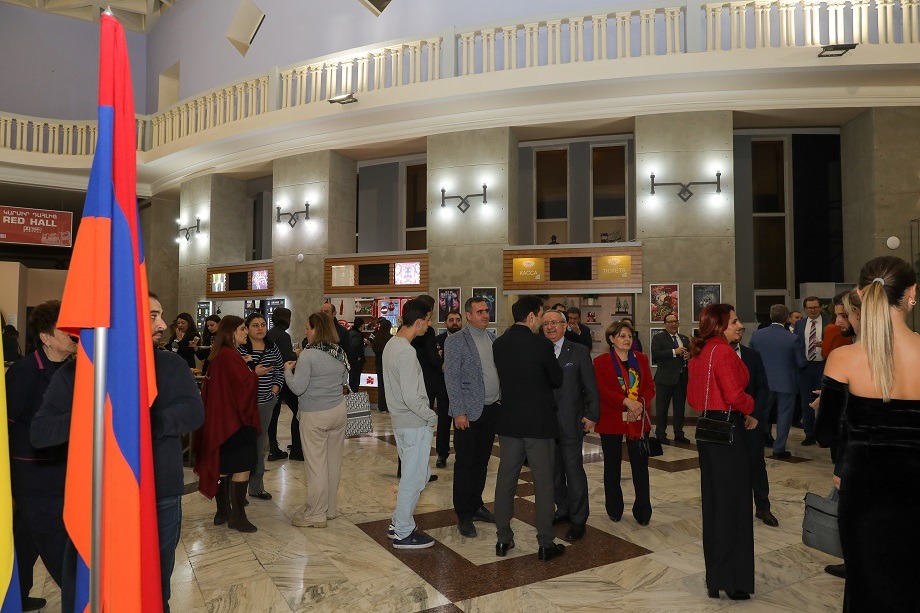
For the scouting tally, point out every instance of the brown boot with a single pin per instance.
(222, 498)
(238, 520)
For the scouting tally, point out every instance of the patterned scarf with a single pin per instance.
(334, 350)
(630, 389)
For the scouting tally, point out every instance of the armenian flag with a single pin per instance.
(107, 288)
(10, 600)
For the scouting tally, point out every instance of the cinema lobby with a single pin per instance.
(622, 160)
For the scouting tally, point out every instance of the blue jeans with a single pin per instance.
(169, 522)
(414, 447)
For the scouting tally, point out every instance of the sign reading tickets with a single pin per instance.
(35, 227)
(613, 267)
(528, 270)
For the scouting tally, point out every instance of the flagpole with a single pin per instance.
(100, 348)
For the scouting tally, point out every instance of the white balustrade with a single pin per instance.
(54, 137)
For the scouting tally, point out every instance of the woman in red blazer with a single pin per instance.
(626, 387)
(717, 382)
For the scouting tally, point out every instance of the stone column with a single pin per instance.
(881, 190)
(328, 181)
(685, 242)
(158, 229)
(465, 249)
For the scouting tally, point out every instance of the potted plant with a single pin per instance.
(590, 298)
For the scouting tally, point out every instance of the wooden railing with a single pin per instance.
(647, 29)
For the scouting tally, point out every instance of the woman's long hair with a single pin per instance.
(224, 335)
(884, 282)
(192, 330)
(713, 323)
(324, 329)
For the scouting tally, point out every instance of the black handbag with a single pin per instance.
(648, 446)
(819, 526)
(709, 430)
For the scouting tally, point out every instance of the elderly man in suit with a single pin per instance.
(758, 389)
(474, 392)
(782, 359)
(810, 333)
(578, 410)
(670, 352)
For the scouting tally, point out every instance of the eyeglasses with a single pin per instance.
(553, 324)
(673, 321)
(814, 308)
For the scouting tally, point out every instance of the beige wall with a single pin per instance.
(692, 242)
(13, 298)
(159, 230)
(43, 285)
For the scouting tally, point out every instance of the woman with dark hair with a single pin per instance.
(260, 350)
(37, 475)
(203, 347)
(226, 443)
(381, 338)
(873, 386)
(186, 332)
(716, 387)
(322, 372)
(624, 380)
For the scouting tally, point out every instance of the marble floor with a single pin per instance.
(621, 567)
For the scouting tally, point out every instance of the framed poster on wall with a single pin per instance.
(490, 296)
(449, 299)
(705, 294)
(663, 298)
(652, 332)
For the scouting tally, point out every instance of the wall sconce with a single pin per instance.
(464, 200)
(343, 99)
(836, 50)
(685, 193)
(188, 230)
(292, 217)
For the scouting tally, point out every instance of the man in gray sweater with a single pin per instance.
(413, 422)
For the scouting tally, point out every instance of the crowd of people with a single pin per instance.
(538, 390)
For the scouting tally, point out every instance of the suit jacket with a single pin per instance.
(583, 337)
(669, 365)
(577, 397)
(757, 386)
(528, 372)
(429, 358)
(612, 396)
(800, 334)
(466, 389)
(782, 356)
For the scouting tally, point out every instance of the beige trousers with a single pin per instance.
(322, 435)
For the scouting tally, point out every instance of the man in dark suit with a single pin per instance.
(442, 444)
(810, 333)
(431, 359)
(670, 352)
(344, 342)
(758, 389)
(782, 359)
(527, 425)
(578, 410)
(577, 328)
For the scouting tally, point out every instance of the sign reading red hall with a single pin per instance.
(35, 227)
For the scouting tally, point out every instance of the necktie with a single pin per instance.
(812, 339)
(674, 340)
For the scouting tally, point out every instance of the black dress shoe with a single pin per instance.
(809, 441)
(263, 495)
(33, 604)
(712, 593)
(558, 519)
(682, 439)
(484, 514)
(553, 551)
(501, 549)
(767, 518)
(615, 518)
(432, 478)
(467, 529)
(441, 462)
(663, 440)
(575, 532)
(277, 454)
(296, 455)
(782, 455)
(737, 595)
(768, 440)
(838, 570)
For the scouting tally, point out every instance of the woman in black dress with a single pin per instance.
(873, 385)
(185, 336)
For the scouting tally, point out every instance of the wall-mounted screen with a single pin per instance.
(343, 276)
(570, 269)
(219, 282)
(237, 281)
(373, 274)
(259, 279)
(408, 273)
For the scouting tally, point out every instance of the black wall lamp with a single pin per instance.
(188, 230)
(464, 200)
(836, 50)
(292, 217)
(685, 194)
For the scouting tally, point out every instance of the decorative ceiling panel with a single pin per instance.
(138, 15)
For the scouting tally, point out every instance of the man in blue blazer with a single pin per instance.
(783, 359)
(474, 392)
(810, 333)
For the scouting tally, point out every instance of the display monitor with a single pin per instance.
(373, 274)
(237, 281)
(570, 269)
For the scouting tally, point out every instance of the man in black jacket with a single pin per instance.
(176, 410)
(527, 425)
(442, 444)
(278, 334)
(431, 359)
(354, 372)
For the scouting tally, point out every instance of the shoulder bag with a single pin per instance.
(709, 430)
(819, 526)
(359, 413)
(649, 446)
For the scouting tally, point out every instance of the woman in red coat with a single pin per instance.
(717, 382)
(226, 443)
(624, 380)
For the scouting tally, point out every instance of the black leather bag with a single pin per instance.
(819, 526)
(709, 430)
(648, 446)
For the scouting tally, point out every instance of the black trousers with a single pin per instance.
(381, 393)
(38, 529)
(288, 397)
(728, 532)
(442, 442)
(759, 482)
(571, 482)
(539, 453)
(612, 444)
(472, 451)
(664, 396)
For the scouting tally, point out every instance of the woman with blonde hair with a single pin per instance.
(321, 373)
(873, 386)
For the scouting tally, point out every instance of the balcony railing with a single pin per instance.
(655, 28)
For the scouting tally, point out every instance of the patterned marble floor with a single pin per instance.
(620, 567)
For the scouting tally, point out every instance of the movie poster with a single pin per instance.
(663, 299)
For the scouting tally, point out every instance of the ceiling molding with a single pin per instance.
(137, 15)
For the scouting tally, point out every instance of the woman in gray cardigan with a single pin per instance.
(321, 373)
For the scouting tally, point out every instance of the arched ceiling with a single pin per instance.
(138, 15)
